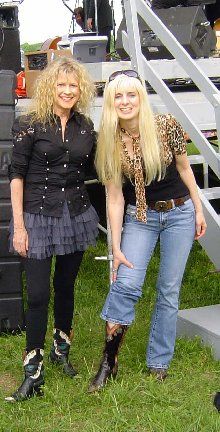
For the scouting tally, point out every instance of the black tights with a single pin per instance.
(38, 295)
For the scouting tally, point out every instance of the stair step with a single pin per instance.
(203, 322)
(212, 193)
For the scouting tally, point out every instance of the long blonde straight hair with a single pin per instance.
(108, 154)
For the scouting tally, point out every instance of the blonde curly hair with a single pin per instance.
(45, 89)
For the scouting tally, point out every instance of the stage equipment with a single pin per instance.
(165, 4)
(7, 115)
(199, 2)
(85, 47)
(36, 61)
(11, 304)
(8, 83)
(188, 24)
(9, 16)
(10, 56)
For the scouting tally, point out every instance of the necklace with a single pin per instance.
(136, 140)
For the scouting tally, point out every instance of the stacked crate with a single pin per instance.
(11, 303)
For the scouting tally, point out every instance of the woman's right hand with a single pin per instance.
(20, 241)
(119, 258)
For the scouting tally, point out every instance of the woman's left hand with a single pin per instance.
(200, 225)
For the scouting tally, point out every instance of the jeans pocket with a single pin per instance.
(130, 218)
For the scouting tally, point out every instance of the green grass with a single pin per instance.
(135, 402)
(192, 149)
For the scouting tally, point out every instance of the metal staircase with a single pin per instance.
(132, 45)
(202, 321)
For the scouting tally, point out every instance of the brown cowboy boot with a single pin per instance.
(109, 364)
(34, 377)
(60, 351)
(159, 373)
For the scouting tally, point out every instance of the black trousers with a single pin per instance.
(38, 295)
(106, 31)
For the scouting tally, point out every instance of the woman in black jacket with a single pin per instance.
(52, 214)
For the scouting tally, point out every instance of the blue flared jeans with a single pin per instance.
(176, 230)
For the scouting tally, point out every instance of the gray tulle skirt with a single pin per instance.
(49, 235)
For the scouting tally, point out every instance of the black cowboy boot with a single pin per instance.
(109, 364)
(34, 377)
(60, 351)
(217, 401)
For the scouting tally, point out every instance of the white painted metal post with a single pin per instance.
(134, 39)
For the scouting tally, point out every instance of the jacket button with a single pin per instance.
(84, 205)
(82, 196)
(64, 165)
(48, 169)
(45, 187)
(46, 178)
(77, 187)
(43, 196)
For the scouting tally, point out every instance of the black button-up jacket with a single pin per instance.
(53, 169)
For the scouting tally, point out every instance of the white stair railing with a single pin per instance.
(132, 45)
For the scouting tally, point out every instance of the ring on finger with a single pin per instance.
(114, 270)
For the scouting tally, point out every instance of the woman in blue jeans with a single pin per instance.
(142, 160)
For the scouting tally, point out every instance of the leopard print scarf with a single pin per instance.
(133, 167)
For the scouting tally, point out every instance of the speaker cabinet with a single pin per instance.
(8, 84)
(7, 115)
(10, 277)
(11, 314)
(11, 301)
(187, 24)
(5, 159)
(9, 16)
(160, 4)
(5, 191)
(10, 56)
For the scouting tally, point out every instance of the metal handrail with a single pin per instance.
(131, 42)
